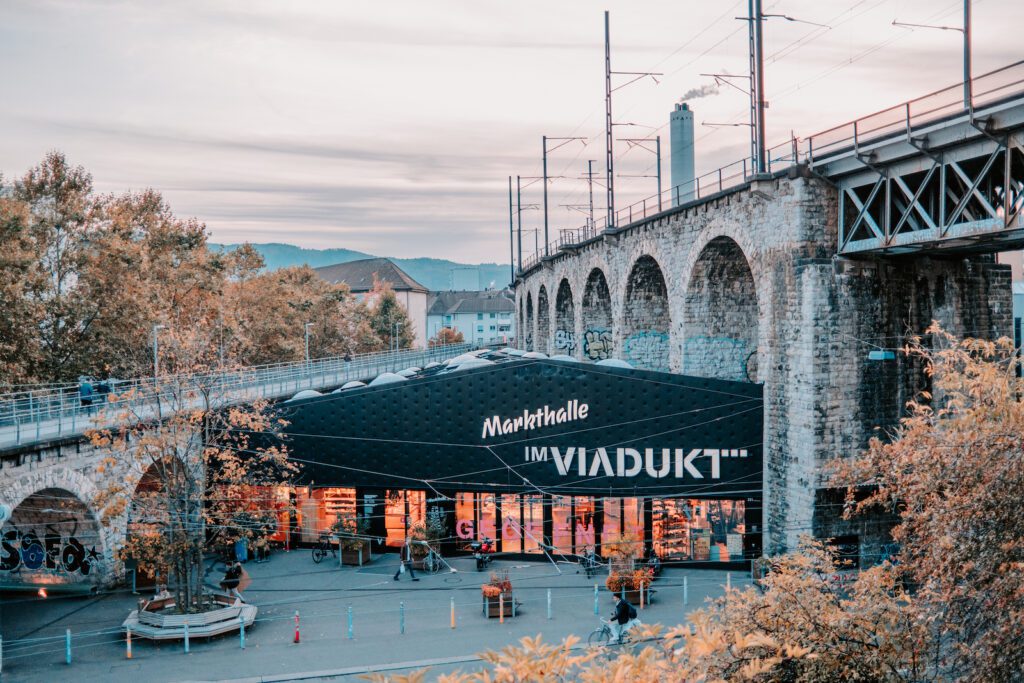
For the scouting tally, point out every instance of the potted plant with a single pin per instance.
(351, 530)
(427, 535)
(499, 600)
(630, 584)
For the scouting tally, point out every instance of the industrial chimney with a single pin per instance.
(681, 145)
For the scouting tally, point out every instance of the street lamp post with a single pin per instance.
(305, 329)
(156, 351)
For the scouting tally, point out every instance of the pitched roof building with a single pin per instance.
(359, 276)
(483, 317)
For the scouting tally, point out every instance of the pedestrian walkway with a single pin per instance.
(34, 630)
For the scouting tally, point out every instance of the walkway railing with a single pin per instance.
(931, 109)
(42, 412)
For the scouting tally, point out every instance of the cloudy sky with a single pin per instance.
(392, 127)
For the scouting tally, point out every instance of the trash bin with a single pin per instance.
(241, 550)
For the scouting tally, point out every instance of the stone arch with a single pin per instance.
(543, 321)
(597, 342)
(528, 328)
(720, 325)
(53, 538)
(646, 323)
(565, 320)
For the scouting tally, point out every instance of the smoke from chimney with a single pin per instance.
(702, 91)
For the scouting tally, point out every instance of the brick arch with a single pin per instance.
(565, 320)
(721, 314)
(543, 340)
(646, 322)
(597, 340)
(57, 503)
(528, 329)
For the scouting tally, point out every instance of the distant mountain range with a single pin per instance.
(432, 273)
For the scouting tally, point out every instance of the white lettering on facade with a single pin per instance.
(542, 417)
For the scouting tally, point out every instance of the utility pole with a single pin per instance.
(562, 143)
(305, 330)
(519, 222)
(657, 153)
(156, 352)
(511, 238)
(968, 86)
(590, 188)
(609, 154)
(759, 84)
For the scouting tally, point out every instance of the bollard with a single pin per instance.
(728, 580)
(241, 632)
(549, 603)
(501, 608)
(596, 608)
(296, 627)
(350, 636)
(641, 596)
(686, 593)
(67, 646)
(186, 637)
(401, 616)
(128, 645)
(453, 612)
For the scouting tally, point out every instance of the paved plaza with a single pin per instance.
(34, 630)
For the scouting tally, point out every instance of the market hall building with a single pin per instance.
(539, 455)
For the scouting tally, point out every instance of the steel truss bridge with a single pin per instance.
(932, 174)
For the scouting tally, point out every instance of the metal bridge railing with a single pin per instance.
(42, 412)
(930, 109)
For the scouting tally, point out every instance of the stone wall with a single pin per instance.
(747, 286)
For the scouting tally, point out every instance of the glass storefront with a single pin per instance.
(678, 529)
(403, 510)
(698, 529)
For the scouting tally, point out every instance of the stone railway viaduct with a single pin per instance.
(746, 285)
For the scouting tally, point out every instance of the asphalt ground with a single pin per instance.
(33, 629)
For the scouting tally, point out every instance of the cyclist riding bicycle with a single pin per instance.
(623, 619)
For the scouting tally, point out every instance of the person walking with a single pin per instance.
(85, 393)
(232, 579)
(405, 562)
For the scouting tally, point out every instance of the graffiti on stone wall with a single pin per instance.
(647, 349)
(597, 343)
(565, 341)
(50, 552)
(720, 357)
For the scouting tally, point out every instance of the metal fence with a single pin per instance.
(41, 412)
(900, 120)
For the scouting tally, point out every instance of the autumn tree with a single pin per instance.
(389, 320)
(954, 472)
(183, 469)
(445, 336)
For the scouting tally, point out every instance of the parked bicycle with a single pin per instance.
(590, 562)
(322, 548)
(432, 562)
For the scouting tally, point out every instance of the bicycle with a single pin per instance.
(602, 636)
(432, 562)
(322, 548)
(590, 563)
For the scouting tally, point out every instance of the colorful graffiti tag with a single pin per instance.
(49, 552)
(565, 340)
(597, 344)
(647, 349)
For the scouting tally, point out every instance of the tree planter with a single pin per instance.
(158, 621)
(493, 606)
(356, 556)
(633, 596)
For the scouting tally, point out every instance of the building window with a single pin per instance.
(479, 316)
(492, 315)
(492, 328)
(479, 328)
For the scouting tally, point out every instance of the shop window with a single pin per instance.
(317, 510)
(533, 523)
(561, 530)
(583, 533)
(476, 517)
(511, 525)
(465, 517)
(402, 510)
(697, 529)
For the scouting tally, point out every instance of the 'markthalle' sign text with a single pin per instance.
(629, 462)
(542, 417)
